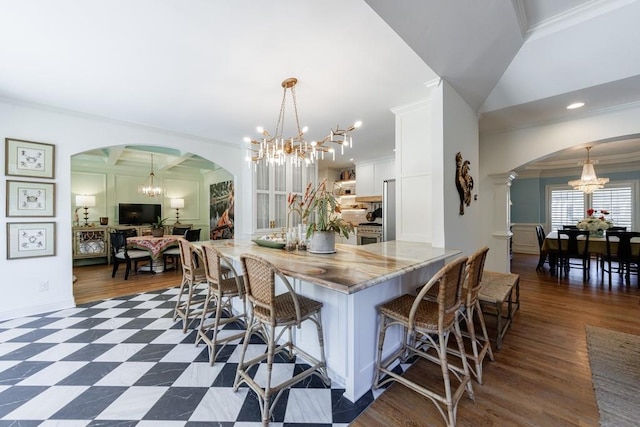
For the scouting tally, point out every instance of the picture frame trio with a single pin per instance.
(30, 199)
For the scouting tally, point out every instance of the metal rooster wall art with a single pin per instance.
(464, 181)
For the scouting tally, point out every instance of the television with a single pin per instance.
(138, 213)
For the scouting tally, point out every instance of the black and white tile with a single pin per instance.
(125, 362)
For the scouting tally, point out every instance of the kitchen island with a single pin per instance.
(350, 283)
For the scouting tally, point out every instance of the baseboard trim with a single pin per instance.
(38, 309)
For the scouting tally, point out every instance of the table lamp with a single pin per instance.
(177, 204)
(85, 202)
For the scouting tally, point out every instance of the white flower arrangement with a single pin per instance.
(595, 223)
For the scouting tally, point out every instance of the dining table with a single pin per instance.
(156, 246)
(597, 246)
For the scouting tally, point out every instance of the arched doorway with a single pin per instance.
(111, 176)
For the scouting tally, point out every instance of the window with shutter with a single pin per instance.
(616, 200)
(566, 206)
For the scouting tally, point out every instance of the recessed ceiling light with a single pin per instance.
(575, 105)
(351, 160)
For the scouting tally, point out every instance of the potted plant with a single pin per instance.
(319, 210)
(157, 228)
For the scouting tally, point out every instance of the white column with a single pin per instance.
(498, 258)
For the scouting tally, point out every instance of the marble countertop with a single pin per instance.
(351, 269)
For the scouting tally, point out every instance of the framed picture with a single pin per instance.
(31, 239)
(37, 199)
(25, 158)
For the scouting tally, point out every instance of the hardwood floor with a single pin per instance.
(541, 376)
(95, 283)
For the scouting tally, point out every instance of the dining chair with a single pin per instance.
(625, 257)
(423, 320)
(179, 230)
(570, 227)
(274, 315)
(120, 254)
(173, 254)
(540, 234)
(129, 232)
(224, 285)
(570, 249)
(189, 305)
(192, 235)
(598, 255)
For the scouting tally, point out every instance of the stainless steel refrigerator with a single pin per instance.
(389, 210)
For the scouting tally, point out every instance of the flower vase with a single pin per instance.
(596, 233)
(302, 237)
(291, 239)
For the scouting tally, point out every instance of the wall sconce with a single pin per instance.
(85, 202)
(177, 204)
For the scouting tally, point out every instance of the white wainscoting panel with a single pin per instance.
(524, 238)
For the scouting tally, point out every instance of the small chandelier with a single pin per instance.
(296, 150)
(588, 182)
(152, 187)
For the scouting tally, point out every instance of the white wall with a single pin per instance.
(460, 134)
(505, 151)
(428, 136)
(71, 134)
(115, 185)
(418, 197)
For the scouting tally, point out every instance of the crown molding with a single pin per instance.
(521, 16)
(574, 16)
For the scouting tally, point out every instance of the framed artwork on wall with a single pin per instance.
(34, 199)
(31, 239)
(26, 158)
(221, 210)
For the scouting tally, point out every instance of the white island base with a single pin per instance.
(351, 283)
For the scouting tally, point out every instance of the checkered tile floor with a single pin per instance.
(125, 362)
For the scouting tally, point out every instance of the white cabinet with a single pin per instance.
(383, 170)
(371, 175)
(365, 179)
(352, 240)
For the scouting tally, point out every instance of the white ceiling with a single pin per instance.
(213, 68)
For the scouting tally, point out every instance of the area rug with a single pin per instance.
(615, 370)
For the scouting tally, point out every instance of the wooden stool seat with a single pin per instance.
(496, 290)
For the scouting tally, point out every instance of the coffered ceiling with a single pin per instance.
(212, 68)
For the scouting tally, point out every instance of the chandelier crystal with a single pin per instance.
(152, 187)
(295, 149)
(588, 181)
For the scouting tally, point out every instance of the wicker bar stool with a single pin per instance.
(191, 307)
(470, 311)
(423, 320)
(225, 284)
(480, 345)
(268, 312)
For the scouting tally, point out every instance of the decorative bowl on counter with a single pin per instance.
(269, 243)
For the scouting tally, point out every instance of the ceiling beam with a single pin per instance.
(114, 155)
